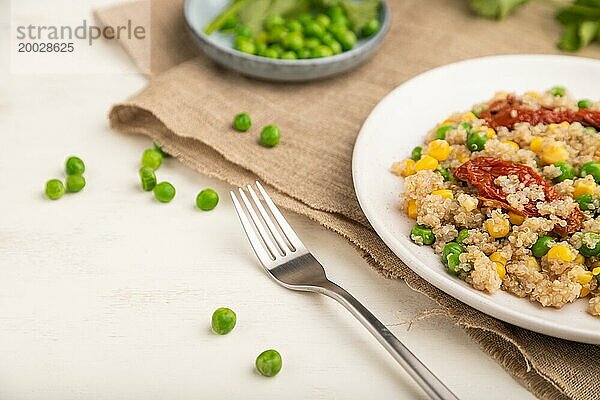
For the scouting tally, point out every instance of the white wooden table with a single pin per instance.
(107, 294)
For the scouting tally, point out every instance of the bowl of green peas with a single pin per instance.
(288, 40)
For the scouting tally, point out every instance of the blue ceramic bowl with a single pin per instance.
(218, 46)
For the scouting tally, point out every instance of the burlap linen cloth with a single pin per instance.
(189, 104)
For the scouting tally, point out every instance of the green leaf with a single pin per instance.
(569, 40)
(230, 11)
(588, 31)
(495, 9)
(360, 13)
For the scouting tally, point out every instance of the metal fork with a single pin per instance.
(288, 262)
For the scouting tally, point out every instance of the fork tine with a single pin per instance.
(259, 225)
(283, 224)
(262, 254)
(261, 209)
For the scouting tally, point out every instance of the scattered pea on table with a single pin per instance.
(152, 158)
(223, 321)
(242, 122)
(75, 183)
(147, 178)
(164, 192)
(207, 199)
(55, 189)
(270, 136)
(269, 363)
(74, 166)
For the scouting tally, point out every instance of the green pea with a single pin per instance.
(590, 130)
(347, 39)
(74, 166)
(245, 45)
(278, 48)
(559, 91)
(421, 231)
(148, 178)
(416, 153)
(164, 192)
(305, 18)
(314, 29)
(230, 24)
(242, 122)
(335, 12)
(207, 199)
(445, 173)
(270, 135)
(152, 158)
(336, 47)
(277, 34)
(223, 321)
(55, 189)
(590, 246)
(450, 256)
(243, 31)
(323, 20)
(260, 47)
(542, 246)
(567, 171)
(272, 21)
(304, 53)
(586, 202)
(293, 41)
(289, 55)
(476, 141)
(443, 130)
(585, 103)
(75, 183)
(590, 168)
(270, 53)
(462, 235)
(467, 126)
(371, 28)
(294, 25)
(311, 43)
(340, 20)
(322, 51)
(268, 363)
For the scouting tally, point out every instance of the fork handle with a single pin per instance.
(415, 368)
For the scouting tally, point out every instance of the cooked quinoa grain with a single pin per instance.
(524, 181)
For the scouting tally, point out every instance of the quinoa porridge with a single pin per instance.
(508, 195)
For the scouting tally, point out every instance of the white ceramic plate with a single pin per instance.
(399, 123)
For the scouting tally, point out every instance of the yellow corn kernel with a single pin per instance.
(581, 275)
(497, 229)
(426, 163)
(565, 124)
(445, 193)
(553, 153)
(439, 149)
(501, 269)
(515, 218)
(552, 127)
(404, 168)
(463, 157)
(491, 133)
(498, 257)
(447, 121)
(584, 291)
(411, 209)
(469, 116)
(560, 252)
(511, 144)
(532, 263)
(580, 259)
(536, 144)
(584, 186)
(533, 94)
(596, 271)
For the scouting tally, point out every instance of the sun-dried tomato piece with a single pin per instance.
(507, 112)
(482, 172)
